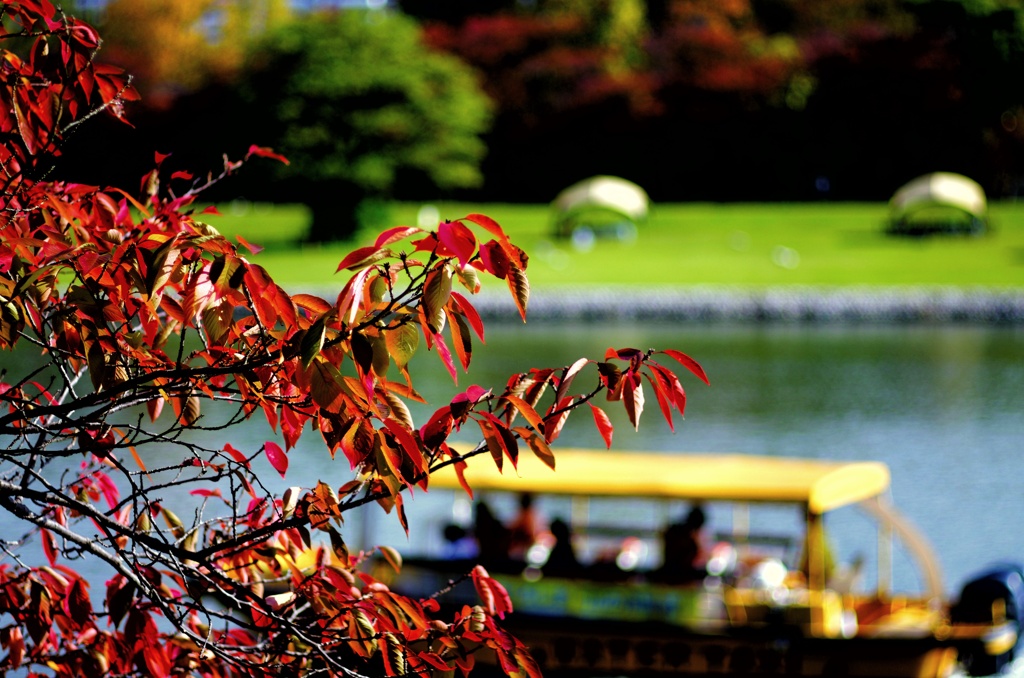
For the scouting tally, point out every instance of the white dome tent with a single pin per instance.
(940, 202)
(602, 204)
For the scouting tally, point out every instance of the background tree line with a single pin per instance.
(692, 99)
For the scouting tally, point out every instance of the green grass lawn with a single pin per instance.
(688, 244)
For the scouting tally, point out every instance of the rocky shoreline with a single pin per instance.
(781, 304)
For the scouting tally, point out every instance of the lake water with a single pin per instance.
(943, 406)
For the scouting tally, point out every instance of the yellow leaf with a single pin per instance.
(436, 292)
(402, 342)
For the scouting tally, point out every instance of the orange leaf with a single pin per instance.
(604, 424)
(538, 445)
(393, 557)
(460, 338)
(520, 288)
(527, 411)
(634, 399)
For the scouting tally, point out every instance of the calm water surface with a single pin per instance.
(942, 406)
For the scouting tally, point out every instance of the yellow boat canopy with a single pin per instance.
(820, 485)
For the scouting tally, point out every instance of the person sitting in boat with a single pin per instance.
(684, 553)
(492, 537)
(525, 528)
(459, 544)
(562, 561)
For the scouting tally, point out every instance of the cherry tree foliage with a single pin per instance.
(141, 326)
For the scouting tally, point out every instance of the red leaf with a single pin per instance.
(673, 389)
(437, 428)
(15, 642)
(157, 661)
(408, 442)
(206, 493)
(255, 249)
(660, 390)
(435, 661)
(362, 256)
(500, 440)
(238, 456)
(611, 375)
(460, 472)
(83, 33)
(393, 235)
(76, 602)
(568, 376)
(471, 395)
(264, 152)
(446, 357)
(181, 174)
(621, 353)
(109, 489)
(472, 317)
(492, 594)
(604, 424)
(494, 229)
(459, 239)
(494, 259)
(687, 362)
(553, 423)
(278, 459)
(49, 545)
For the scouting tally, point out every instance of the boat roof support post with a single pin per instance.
(917, 546)
(815, 551)
(579, 512)
(885, 547)
(741, 527)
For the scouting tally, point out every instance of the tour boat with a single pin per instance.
(764, 603)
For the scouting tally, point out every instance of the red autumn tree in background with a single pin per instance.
(136, 338)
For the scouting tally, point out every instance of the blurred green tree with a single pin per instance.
(357, 101)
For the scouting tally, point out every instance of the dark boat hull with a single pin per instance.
(574, 647)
